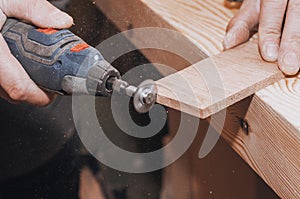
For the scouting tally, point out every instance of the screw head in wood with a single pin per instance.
(245, 126)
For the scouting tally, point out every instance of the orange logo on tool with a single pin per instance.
(47, 31)
(79, 47)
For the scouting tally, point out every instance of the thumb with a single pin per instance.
(39, 12)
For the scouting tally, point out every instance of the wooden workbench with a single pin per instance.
(272, 144)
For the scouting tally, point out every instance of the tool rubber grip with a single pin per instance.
(49, 55)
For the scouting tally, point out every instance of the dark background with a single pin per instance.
(41, 154)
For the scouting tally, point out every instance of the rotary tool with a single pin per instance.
(60, 61)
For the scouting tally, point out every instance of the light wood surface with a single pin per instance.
(204, 23)
(284, 98)
(272, 146)
(217, 82)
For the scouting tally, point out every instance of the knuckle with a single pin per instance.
(242, 18)
(6, 6)
(33, 7)
(244, 25)
(2, 5)
(240, 23)
(14, 8)
(291, 41)
(18, 90)
(269, 32)
(294, 5)
(295, 10)
(273, 4)
(292, 38)
(2, 17)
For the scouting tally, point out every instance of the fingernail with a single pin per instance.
(271, 50)
(290, 63)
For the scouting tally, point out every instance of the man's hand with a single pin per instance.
(15, 84)
(279, 31)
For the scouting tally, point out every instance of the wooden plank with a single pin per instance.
(270, 145)
(211, 177)
(239, 76)
(203, 22)
(273, 114)
(284, 97)
(217, 82)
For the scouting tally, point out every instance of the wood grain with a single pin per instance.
(272, 147)
(217, 82)
(204, 23)
(241, 76)
(284, 98)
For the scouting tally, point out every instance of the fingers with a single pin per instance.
(270, 27)
(5, 96)
(2, 19)
(15, 84)
(39, 12)
(289, 48)
(238, 29)
(15, 81)
(51, 95)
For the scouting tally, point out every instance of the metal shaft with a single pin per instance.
(144, 96)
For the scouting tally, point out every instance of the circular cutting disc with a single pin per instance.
(145, 96)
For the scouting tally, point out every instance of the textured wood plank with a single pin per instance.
(272, 147)
(284, 98)
(241, 76)
(217, 82)
(204, 23)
